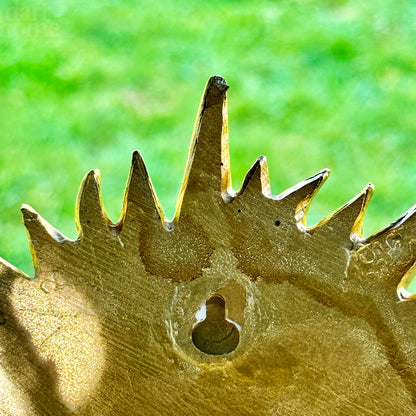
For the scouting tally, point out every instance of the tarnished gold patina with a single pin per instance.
(235, 307)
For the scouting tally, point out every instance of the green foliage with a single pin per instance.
(313, 85)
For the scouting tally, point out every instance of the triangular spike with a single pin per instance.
(395, 242)
(347, 221)
(90, 215)
(140, 200)
(298, 198)
(38, 227)
(41, 234)
(257, 179)
(406, 223)
(208, 167)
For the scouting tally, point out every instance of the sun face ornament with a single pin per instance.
(235, 307)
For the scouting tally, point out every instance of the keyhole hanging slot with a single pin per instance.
(215, 335)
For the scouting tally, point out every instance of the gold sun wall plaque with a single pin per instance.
(235, 307)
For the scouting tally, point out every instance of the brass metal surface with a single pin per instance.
(235, 307)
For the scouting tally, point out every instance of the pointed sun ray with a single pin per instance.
(140, 200)
(207, 174)
(405, 224)
(346, 223)
(90, 216)
(257, 179)
(298, 198)
(41, 235)
(391, 253)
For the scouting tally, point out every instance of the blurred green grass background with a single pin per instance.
(313, 85)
